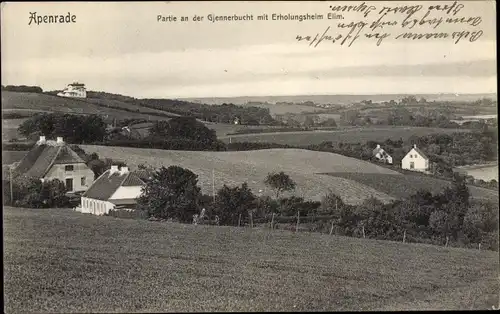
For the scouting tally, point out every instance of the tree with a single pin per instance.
(479, 220)
(232, 202)
(183, 127)
(280, 182)
(171, 193)
(331, 204)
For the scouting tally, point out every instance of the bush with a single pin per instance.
(32, 193)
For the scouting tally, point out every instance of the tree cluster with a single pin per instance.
(75, 129)
(22, 89)
(225, 113)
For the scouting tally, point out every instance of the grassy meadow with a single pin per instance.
(45, 102)
(57, 260)
(348, 135)
(234, 168)
(403, 186)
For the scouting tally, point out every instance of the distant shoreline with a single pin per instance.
(478, 166)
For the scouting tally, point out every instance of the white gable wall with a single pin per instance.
(420, 163)
(126, 192)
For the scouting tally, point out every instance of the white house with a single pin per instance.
(75, 90)
(381, 155)
(415, 160)
(49, 159)
(114, 189)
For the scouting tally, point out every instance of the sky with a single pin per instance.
(122, 48)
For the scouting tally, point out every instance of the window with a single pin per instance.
(82, 182)
(68, 168)
(69, 185)
(412, 165)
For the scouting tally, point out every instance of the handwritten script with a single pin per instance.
(377, 23)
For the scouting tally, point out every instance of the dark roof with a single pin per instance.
(421, 153)
(104, 187)
(144, 174)
(38, 161)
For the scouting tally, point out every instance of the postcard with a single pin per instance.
(204, 156)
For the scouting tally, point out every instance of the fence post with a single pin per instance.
(298, 222)
(331, 228)
(363, 232)
(479, 246)
(251, 220)
(447, 239)
(239, 220)
(404, 237)
(272, 222)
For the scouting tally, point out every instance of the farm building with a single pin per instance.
(415, 160)
(381, 155)
(50, 159)
(75, 90)
(236, 120)
(114, 189)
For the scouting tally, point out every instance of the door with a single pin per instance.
(69, 185)
(412, 165)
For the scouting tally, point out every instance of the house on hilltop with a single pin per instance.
(381, 155)
(415, 160)
(50, 159)
(114, 189)
(74, 90)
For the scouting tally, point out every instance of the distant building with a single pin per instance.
(415, 160)
(50, 159)
(75, 90)
(381, 155)
(114, 189)
(237, 120)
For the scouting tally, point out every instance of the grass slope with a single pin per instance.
(402, 186)
(63, 261)
(34, 101)
(352, 135)
(234, 168)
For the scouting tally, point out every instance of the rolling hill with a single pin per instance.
(352, 179)
(112, 108)
(234, 168)
(59, 261)
(403, 186)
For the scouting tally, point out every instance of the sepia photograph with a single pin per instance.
(249, 156)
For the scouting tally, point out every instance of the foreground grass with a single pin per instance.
(63, 261)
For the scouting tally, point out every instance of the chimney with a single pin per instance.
(378, 146)
(124, 170)
(42, 140)
(114, 169)
(60, 140)
(414, 145)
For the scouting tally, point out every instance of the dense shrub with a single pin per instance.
(22, 88)
(33, 193)
(168, 144)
